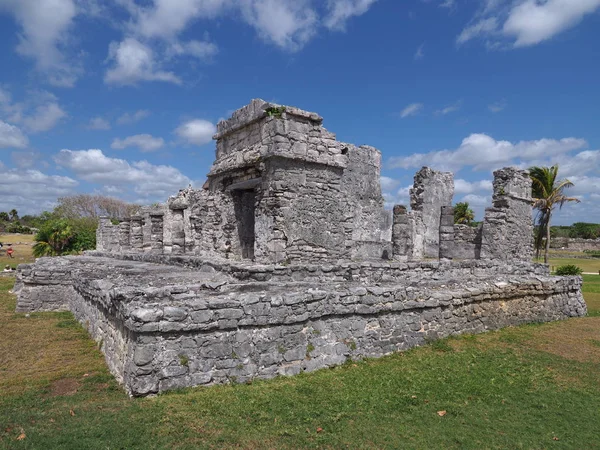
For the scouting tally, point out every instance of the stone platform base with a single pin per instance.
(188, 321)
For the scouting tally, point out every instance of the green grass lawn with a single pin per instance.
(535, 386)
(22, 246)
(587, 265)
(591, 293)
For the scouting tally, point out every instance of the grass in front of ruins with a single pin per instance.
(591, 265)
(591, 293)
(22, 245)
(535, 386)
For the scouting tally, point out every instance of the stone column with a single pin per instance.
(146, 232)
(401, 241)
(431, 190)
(124, 234)
(156, 238)
(507, 231)
(177, 231)
(136, 234)
(101, 233)
(447, 232)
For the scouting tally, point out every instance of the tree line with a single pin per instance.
(70, 227)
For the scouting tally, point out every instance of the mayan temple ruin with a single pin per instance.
(287, 261)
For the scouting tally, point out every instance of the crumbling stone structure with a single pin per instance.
(287, 261)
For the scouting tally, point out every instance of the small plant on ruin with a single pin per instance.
(309, 348)
(275, 111)
(184, 360)
(568, 269)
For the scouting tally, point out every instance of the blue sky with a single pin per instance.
(121, 97)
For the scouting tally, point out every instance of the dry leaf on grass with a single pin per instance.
(319, 429)
(71, 412)
(21, 437)
(441, 413)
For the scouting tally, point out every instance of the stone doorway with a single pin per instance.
(244, 202)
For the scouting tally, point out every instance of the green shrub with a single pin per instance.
(592, 253)
(568, 269)
(18, 228)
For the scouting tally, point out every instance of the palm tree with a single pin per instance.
(14, 215)
(52, 239)
(547, 193)
(463, 214)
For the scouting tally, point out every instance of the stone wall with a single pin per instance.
(508, 225)
(282, 188)
(467, 242)
(164, 327)
(577, 245)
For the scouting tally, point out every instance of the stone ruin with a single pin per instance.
(286, 261)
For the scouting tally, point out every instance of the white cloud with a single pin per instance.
(203, 50)
(525, 22)
(289, 24)
(127, 118)
(497, 106)
(483, 152)
(411, 110)
(45, 26)
(145, 179)
(145, 142)
(98, 123)
(167, 18)
(449, 109)
(397, 197)
(196, 132)
(532, 22)
(482, 27)
(44, 118)
(420, 54)
(449, 4)
(4, 96)
(31, 191)
(340, 11)
(134, 62)
(584, 184)
(466, 187)
(39, 112)
(388, 184)
(153, 34)
(570, 165)
(26, 160)
(12, 137)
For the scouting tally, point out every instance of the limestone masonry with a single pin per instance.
(286, 261)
